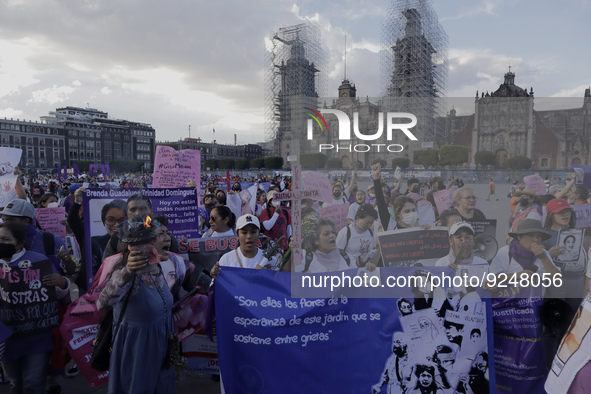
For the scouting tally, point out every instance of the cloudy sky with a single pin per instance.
(201, 63)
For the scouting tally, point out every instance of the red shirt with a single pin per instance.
(279, 228)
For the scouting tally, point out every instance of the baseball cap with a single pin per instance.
(245, 220)
(19, 208)
(73, 187)
(458, 226)
(556, 205)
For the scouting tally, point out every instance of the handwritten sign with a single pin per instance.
(10, 158)
(26, 304)
(174, 169)
(287, 196)
(50, 220)
(416, 244)
(337, 213)
(315, 180)
(444, 199)
(535, 183)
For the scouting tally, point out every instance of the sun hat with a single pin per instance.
(530, 226)
(529, 192)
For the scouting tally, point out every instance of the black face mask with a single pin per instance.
(336, 194)
(524, 201)
(7, 251)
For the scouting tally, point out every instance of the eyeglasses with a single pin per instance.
(111, 220)
(470, 198)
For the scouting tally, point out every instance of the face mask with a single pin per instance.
(275, 203)
(524, 201)
(53, 205)
(372, 195)
(336, 194)
(7, 251)
(410, 218)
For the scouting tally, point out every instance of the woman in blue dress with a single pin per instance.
(140, 345)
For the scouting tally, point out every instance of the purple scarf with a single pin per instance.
(524, 257)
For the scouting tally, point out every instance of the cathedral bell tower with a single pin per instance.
(347, 89)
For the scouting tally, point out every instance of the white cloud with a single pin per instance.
(106, 91)
(10, 113)
(53, 95)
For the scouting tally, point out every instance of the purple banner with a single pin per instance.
(519, 353)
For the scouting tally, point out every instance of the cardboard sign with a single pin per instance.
(174, 169)
(444, 199)
(10, 158)
(412, 245)
(26, 304)
(337, 213)
(315, 180)
(50, 220)
(535, 183)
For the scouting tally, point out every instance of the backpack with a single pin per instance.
(518, 217)
(349, 237)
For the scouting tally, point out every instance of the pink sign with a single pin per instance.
(50, 220)
(81, 324)
(535, 183)
(174, 169)
(316, 180)
(337, 213)
(443, 199)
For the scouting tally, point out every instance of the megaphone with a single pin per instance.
(485, 247)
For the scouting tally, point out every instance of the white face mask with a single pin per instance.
(372, 195)
(410, 218)
(275, 203)
(53, 205)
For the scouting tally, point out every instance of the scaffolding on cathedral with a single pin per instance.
(294, 79)
(414, 65)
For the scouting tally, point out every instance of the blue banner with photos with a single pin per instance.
(269, 342)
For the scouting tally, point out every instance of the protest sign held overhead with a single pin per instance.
(10, 159)
(176, 168)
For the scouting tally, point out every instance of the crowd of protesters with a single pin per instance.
(533, 246)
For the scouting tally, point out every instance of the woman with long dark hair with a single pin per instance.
(221, 222)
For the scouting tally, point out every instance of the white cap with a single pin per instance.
(245, 220)
(458, 226)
